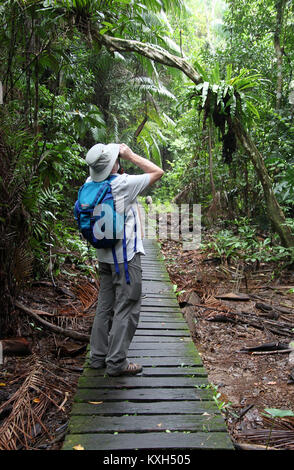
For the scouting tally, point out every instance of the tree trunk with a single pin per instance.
(157, 54)
(211, 163)
(280, 7)
(140, 127)
(246, 190)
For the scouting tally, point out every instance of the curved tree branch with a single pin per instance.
(155, 53)
(56, 329)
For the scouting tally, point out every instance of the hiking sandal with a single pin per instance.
(132, 369)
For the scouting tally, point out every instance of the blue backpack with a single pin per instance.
(98, 220)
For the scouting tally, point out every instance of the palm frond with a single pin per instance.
(22, 267)
(40, 389)
(147, 84)
(99, 134)
(166, 5)
(156, 152)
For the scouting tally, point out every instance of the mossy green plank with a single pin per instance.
(163, 325)
(159, 423)
(120, 408)
(142, 394)
(173, 440)
(140, 381)
(146, 332)
(149, 363)
(139, 346)
(157, 371)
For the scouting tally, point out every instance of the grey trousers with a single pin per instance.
(117, 315)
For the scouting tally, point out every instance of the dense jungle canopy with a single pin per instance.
(204, 88)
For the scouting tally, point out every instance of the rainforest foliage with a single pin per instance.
(203, 88)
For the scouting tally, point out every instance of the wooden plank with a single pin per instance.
(153, 273)
(168, 361)
(145, 332)
(163, 325)
(151, 248)
(153, 263)
(162, 309)
(167, 348)
(168, 371)
(160, 302)
(159, 352)
(143, 394)
(162, 315)
(153, 260)
(152, 276)
(139, 346)
(141, 382)
(161, 339)
(153, 267)
(176, 440)
(150, 269)
(146, 318)
(144, 408)
(172, 314)
(172, 372)
(160, 327)
(159, 287)
(160, 295)
(163, 319)
(159, 423)
(166, 320)
(163, 294)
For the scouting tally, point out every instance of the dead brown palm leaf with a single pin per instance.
(40, 389)
(87, 294)
(278, 433)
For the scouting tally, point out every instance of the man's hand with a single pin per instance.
(125, 152)
(146, 165)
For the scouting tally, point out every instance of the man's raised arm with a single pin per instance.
(147, 166)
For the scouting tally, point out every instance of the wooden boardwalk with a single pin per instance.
(169, 405)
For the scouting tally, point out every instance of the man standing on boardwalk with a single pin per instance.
(120, 273)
